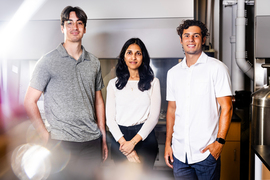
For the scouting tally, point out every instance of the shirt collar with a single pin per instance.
(63, 52)
(202, 59)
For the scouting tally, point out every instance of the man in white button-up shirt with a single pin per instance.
(199, 108)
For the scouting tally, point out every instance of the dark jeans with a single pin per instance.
(75, 160)
(147, 150)
(208, 169)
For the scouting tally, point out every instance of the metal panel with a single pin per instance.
(262, 37)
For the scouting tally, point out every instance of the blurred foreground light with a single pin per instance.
(18, 21)
(31, 161)
(59, 156)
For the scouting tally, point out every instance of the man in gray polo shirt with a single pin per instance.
(70, 79)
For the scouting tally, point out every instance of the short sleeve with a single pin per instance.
(222, 81)
(41, 75)
(169, 88)
(99, 80)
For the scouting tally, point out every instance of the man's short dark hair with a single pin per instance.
(187, 23)
(79, 13)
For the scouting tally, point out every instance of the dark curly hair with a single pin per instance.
(145, 71)
(79, 13)
(187, 23)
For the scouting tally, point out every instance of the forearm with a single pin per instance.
(101, 121)
(35, 117)
(170, 122)
(30, 104)
(137, 138)
(168, 154)
(169, 131)
(100, 114)
(225, 119)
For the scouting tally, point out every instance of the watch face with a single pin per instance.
(220, 140)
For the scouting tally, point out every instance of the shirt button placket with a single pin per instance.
(187, 121)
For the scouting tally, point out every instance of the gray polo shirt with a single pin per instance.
(69, 88)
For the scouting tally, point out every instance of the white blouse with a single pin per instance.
(130, 106)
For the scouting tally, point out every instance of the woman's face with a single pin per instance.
(133, 57)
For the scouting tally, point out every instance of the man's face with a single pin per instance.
(192, 40)
(73, 28)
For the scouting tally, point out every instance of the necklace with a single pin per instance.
(132, 85)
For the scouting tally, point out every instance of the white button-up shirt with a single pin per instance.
(195, 90)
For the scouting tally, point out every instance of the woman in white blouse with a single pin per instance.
(133, 106)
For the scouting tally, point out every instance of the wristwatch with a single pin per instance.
(220, 140)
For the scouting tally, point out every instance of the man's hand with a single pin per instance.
(44, 136)
(215, 149)
(168, 156)
(104, 151)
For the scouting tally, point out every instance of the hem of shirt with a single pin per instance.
(223, 95)
(193, 161)
(59, 138)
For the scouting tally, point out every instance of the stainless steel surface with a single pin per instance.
(260, 124)
(262, 38)
(266, 65)
(260, 74)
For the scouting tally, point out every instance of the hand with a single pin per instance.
(104, 151)
(44, 136)
(126, 147)
(215, 149)
(168, 156)
(133, 157)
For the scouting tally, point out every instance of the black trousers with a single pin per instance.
(147, 150)
(75, 160)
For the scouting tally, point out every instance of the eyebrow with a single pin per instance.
(131, 50)
(72, 20)
(192, 33)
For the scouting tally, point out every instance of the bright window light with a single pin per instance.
(21, 17)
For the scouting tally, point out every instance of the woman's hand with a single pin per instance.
(127, 147)
(133, 157)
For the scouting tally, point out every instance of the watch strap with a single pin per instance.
(221, 140)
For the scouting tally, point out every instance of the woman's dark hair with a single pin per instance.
(79, 13)
(145, 71)
(187, 23)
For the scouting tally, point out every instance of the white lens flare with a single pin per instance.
(31, 161)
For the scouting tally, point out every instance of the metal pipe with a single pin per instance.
(209, 21)
(240, 40)
(236, 72)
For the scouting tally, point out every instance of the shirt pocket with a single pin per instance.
(202, 86)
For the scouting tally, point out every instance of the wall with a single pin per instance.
(110, 24)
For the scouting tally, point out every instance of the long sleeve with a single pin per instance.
(153, 117)
(111, 111)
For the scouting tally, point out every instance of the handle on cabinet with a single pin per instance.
(234, 154)
(157, 158)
